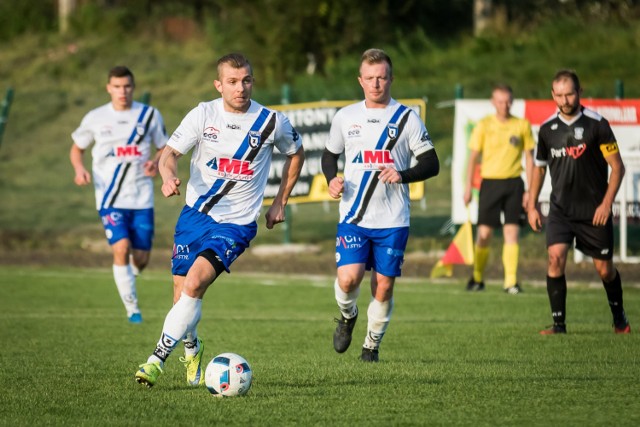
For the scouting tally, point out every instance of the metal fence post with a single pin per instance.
(145, 98)
(619, 89)
(286, 225)
(4, 113)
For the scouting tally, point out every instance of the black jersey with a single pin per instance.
(575, 155)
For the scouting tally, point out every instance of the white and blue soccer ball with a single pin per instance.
(228, 374)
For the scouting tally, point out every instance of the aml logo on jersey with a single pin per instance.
(231, 169)
(373, 159)
(349, 242)
(127, 152)
(210, 134)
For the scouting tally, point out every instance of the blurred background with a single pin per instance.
(55, 55)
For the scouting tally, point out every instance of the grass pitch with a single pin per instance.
(449, 357)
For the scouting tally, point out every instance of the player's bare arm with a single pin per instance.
(151, 166)
(290, 174)
(528, 168)
(537, 178)
(168, 167)
(82, 175)
(473, 159)
(603, 211)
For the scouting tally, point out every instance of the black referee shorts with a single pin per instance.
(501, 195)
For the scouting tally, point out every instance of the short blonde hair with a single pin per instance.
(376, 56)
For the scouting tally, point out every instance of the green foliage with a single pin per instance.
(18, 17)
(448, 358)
(57, 79)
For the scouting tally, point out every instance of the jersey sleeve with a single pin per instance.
(608, 142)
(83, 135)
(541, 154)
(335, 144)
(419, 138)
(188, 133)
(476, 140)
(159, 132)
(287, 140)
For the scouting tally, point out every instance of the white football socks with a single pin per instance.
(183, 316)
(378, 315)
(346, 301)
(126, 284)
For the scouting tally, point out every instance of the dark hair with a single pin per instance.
(121, 71)
(376, 56)
(235, 60)
(568, 75)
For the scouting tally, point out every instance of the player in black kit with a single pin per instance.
(578, 146)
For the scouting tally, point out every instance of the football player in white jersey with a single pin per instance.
(124, 135)
(378, 137)
(232, 139)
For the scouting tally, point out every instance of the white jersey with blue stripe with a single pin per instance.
(123, 142)
(231, 157)
(370, 138)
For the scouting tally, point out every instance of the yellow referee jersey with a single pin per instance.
(501, 145)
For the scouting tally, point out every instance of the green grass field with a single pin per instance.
(449, 357)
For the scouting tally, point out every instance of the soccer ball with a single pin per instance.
(228, 374)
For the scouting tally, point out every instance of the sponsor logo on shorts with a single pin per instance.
(604, 251)
(229, 241)
(395, 252)
(349, 242)
(180, 251)
(112, 219)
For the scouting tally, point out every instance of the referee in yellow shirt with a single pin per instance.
(497, 143)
